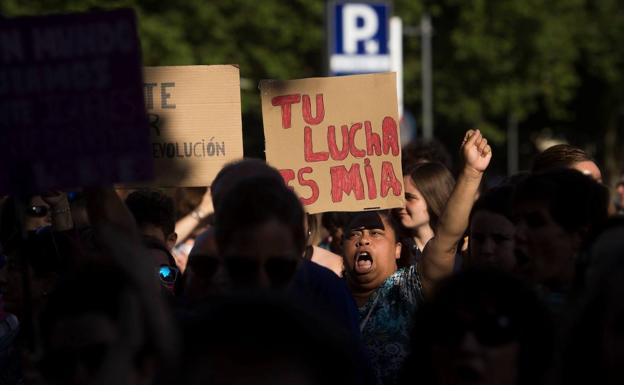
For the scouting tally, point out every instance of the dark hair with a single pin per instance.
(435, 182)
(332, 220)
(237, 171)
(256, 201)
(389, 215)
(186, 199)
(156, 244)
(574, 200)
(281, 334)
(101, 289)
(151, 207)
(598, 311)
(10, 231)
(559, 156)
(476, 291)
(419, 151)
(497, 200)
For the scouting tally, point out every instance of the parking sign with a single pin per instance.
(358, 37)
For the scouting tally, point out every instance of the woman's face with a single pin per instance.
(492, 241)
(415, 213)
(370, 254)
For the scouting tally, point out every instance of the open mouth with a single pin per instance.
(363, 262)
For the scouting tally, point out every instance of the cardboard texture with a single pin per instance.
(71, 101)
(336, 141)
(195, 119)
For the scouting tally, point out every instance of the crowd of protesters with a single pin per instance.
(236, 284)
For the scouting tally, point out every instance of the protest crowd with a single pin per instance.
(251, 280)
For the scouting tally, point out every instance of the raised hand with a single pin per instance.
(475, 151)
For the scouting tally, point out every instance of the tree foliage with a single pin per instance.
(554, 64)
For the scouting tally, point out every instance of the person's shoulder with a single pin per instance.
(315, 271)
(328, 260)
(407, 280)
(319, 278)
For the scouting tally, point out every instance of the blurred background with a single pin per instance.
(545, 71)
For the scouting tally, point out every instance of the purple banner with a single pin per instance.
(71, 102)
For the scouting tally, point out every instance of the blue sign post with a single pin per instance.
(358, 35)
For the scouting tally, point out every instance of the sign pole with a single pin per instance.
(426, 31)
(396, 57)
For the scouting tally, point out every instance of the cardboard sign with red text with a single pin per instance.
(195, 119)
(336, 140)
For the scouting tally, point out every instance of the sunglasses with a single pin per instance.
(490, 331)
(244, 270)
(37, 211)
(168, 274)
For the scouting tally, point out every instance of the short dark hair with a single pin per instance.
(559, 156)
(481, 290)
(237, 171)
(497, 200)
(151, 207)
(574, 200)
(256, 201)
(389, 215)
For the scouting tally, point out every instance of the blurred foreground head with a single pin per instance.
(236, 172)
(554, 214)
(262, 340)
(260, 233)
(99, 328)
(206, 274)
(483, 327)
(594, 349)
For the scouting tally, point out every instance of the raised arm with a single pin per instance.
(439, 254)
(186, 225)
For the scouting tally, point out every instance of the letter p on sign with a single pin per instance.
(360, 24)
(358, 35)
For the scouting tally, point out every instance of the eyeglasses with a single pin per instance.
(490, 330)
(37, 211)
(244, 270)
(168, 274)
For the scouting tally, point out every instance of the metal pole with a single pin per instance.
(396, 57)
(426, 31)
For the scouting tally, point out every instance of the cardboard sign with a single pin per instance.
(336, 140)
(71, 102)
(195, 119)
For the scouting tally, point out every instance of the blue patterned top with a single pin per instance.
(386, 322)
